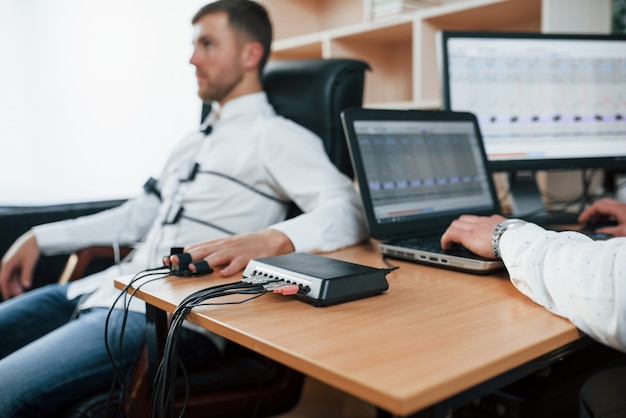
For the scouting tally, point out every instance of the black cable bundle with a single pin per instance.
(163, 393)
(119, 378)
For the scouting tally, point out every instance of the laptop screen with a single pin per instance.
(421, 168)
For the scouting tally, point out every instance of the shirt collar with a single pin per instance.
(250, 103)
(247, 104)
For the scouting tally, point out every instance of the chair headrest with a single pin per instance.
(313, 93)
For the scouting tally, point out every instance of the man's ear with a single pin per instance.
(252, 54)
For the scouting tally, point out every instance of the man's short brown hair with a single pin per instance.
(247, 17)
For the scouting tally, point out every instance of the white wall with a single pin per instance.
(576, 16)
(93, 95)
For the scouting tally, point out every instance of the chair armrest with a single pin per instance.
(78, 262)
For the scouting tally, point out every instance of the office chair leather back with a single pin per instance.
(313, 93)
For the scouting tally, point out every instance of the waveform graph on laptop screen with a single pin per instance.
(415, 168)
(417, 171)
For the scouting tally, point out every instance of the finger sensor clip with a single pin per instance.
(184, 261)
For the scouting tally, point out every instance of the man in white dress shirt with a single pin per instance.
(227, 187)
(569, 274)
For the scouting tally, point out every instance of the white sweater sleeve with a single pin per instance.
(124, 225)
(572, 276)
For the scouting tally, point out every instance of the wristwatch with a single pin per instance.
(499, 230)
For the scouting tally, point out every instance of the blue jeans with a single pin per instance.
(49, 361)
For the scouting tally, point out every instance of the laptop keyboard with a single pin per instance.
(432, 243)
(429, 243)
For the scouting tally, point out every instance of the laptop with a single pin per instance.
(416, 172)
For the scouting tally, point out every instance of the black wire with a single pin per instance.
(177, 320)
(391, 266)
(118, 373)
(239, 302)
(164, 385)
(123, 293)
(209, 224)
(181, 364)
(247, 186)
(163, 401)
(127, 301)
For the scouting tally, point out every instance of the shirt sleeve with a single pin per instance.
(332, 213)
(572, 276)
(124, 225)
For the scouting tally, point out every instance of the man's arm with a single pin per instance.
(125, 224)
(566, 272)
(332, 215)
(572, 276)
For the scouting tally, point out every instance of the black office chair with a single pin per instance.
(312, 93)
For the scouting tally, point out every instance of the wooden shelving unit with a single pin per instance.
(401, 49)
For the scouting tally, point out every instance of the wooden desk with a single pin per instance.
(434, 334)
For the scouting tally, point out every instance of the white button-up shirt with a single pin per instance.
(248, 143)
(572, 276)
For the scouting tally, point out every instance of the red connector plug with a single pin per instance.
(290, 289)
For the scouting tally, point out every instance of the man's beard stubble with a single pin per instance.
(218, 93)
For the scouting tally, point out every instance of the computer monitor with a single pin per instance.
(543, 101)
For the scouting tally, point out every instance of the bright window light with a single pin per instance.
(93, 96)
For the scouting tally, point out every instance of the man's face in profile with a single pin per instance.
(217, 57)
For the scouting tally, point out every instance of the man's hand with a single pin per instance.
(606, 208)
(16, 270)
(473, 232)
(232, 254)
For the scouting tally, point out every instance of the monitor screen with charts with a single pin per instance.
(543, 102)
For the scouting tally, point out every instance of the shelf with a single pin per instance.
(292, 18)
(507, 15)
(389, 30)
(401, 49)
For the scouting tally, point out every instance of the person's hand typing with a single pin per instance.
(608, 209)
(473, 232)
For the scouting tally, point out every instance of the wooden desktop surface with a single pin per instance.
(433, 334)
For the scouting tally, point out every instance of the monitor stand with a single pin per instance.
(527, 203)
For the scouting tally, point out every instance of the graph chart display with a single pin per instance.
(421, 167)
(540, 97)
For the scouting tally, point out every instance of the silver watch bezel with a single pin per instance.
(499, 230)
